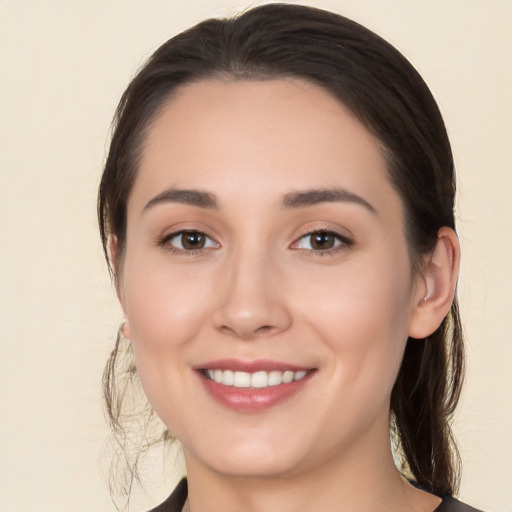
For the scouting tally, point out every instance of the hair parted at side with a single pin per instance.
(384, 91)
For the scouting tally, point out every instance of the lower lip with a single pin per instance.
(253, 399)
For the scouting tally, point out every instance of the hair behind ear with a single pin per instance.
(430, 379)
(423, 401)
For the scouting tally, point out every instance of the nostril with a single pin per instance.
(247, 332)
(251, 315)
(264, 329)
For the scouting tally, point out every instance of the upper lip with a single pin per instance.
(257, 365)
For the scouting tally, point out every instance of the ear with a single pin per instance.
(113, 251)
(127, 333)
(436, 286)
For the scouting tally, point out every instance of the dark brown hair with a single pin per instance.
(386, 93)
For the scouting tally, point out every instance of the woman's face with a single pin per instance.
(266, 279)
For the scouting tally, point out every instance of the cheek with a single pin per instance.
(165, 310)
(163, 306)
(363, 316)
(359, 297)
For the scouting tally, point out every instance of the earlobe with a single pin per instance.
(434, 298)
(113, 256)
(126, 330)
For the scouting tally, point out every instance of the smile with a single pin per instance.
(259, 379)
(253, 386)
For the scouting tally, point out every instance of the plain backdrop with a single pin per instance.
(63, 67)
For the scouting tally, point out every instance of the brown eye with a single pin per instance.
(321, 241)
(190, 241)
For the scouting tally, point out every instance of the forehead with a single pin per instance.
(264, 136)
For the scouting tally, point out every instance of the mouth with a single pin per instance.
(253, 386)
(256, 380)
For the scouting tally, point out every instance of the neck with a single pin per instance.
(362, 481)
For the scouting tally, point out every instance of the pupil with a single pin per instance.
(322, 241)
(192, 241)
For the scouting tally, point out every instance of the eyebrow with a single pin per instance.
(290, 201)
(330, 195)
(190, 197)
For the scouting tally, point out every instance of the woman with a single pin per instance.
(277, 210)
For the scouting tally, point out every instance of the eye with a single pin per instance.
(321, 241)
(189, 241)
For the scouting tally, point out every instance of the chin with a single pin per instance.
(250, 460)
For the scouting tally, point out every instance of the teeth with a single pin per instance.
(259, 380)
(254, 380)
(242, 380)
(275, 378)
(228, 378)
(288, 376)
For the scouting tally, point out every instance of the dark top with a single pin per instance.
(175, 502)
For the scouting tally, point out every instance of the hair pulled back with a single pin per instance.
(385, 92)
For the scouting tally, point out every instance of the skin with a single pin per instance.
(257, 290)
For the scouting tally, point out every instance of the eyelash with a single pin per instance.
(341, 242)
(165, 242)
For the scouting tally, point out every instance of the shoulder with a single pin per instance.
(176, 501)
(451, 504)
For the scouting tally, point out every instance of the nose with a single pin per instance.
(251, 298)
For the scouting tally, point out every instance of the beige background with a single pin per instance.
(63, 66)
